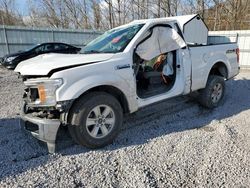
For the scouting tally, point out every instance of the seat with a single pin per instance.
(154, 77)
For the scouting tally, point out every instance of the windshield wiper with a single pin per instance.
(98, 52)
(92, 52)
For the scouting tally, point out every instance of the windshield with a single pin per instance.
(33, 46)
(113, 41)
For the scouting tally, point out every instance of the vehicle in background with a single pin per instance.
(10, 61)
(89, 93)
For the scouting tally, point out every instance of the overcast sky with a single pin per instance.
(22, 4)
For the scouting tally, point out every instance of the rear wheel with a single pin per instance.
(96, 119)
(211, 96)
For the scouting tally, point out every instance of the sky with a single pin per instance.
(23, 7)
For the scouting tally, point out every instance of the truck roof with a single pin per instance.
(181, 20)
(188, 24)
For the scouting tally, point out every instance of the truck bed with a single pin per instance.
(203, 57)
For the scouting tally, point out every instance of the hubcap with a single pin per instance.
(100, 121)
(217, 93)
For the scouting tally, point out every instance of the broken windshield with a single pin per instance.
(113, 41)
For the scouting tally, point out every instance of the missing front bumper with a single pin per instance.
(42, 129)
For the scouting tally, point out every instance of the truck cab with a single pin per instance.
(123, 70)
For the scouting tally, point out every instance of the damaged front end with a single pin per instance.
(41, 114)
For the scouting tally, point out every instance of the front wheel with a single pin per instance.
(96, 120)
(211, 96)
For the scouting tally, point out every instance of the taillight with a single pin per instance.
(238, 55)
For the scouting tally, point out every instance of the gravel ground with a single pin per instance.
(175, 143)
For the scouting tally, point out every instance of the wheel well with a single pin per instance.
(118, 94)
(105, 88)
(219, 69)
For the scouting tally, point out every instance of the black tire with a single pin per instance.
(84, 108)
(206, 97)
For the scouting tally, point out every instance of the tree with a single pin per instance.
(107, 14)
(9, 14)
(97, 14)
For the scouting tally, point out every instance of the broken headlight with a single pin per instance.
(44, 89)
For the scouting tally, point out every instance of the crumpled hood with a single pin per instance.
(43, 64)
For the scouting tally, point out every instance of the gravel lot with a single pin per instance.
(176, 143)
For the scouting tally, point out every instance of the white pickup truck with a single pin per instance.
(90, 92)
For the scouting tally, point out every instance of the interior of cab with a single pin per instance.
(155, 61)
(150, 77)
